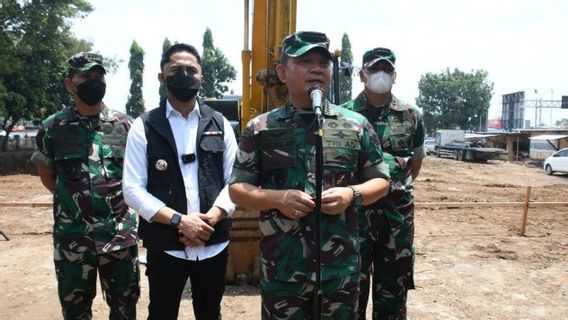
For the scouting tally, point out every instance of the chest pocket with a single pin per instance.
(69, 161)
(341, 150)
(401, 133)
(214, 144)
(113, 145)
(278, 157)
(211, 158)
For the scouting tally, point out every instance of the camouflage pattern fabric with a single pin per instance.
(285, 300)
(277, 151)
(388, 225)
(298, 43)
(90, 215)
(392, 261)
(86, 154)
(77, 276)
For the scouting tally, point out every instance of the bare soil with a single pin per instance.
(471, 263)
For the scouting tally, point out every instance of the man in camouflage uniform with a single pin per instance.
(388, 225)
(275, 172)
(79, 159)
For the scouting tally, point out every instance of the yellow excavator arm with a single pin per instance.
(272, 21)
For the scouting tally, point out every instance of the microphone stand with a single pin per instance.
(318, 294)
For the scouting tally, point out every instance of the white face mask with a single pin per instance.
(379, 82)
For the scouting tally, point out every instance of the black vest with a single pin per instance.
(165, 182)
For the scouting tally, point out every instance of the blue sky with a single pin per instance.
(520, 43)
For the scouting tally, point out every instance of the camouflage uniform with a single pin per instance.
(93, 228)
(388, 225)
(277, 151)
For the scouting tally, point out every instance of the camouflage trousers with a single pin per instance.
(390, 258)
(294, 300)
(77, 276)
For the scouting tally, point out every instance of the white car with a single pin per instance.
(429, 146)
(557, 162)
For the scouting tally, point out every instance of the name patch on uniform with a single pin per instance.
(400, 126)
(341, 138)
(277, 139)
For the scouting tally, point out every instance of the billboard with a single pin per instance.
(495, 123)
(512, 113)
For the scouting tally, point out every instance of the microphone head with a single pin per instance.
(316, 94)
(315, 88)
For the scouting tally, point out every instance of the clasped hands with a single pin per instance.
(195, 229)
(296, 204)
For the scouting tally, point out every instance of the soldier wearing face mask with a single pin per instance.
(178, 161)
(79, 159)
(388, 225)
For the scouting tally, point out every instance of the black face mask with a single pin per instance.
(91, 91)
(184, 86)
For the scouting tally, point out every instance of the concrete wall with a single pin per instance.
(13, 162)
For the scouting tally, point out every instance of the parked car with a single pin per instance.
(429, 146)
(558, 162)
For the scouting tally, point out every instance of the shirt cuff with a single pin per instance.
(380, 170)
(239, 175)
(419, 152)
(40, 159)
(150, 207)
(223, 201)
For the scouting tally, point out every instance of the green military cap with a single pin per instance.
(299, 43)
(378, 54)
(82, 62)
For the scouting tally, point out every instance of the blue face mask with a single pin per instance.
(183, 85)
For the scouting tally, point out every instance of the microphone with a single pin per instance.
(316, 94)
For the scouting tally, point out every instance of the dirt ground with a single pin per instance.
(471, 263)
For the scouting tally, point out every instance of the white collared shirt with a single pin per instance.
(135, 174)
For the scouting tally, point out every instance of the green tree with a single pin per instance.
(216, 68)
(346, 79)
(135, 104)
(35, 42)
(165, 46)
(455, 99)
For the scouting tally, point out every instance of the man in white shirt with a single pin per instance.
(177, 164)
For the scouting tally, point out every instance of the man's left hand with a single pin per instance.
(214, 215)
(336, 200)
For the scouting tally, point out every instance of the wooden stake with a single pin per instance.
(525, 211)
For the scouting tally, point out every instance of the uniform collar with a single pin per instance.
(288, 111)
(104, 115)
(394, 104)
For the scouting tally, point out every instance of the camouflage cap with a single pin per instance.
(378, 54)
(82, 62)
(299, 43)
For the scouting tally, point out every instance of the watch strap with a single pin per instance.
(357, 195)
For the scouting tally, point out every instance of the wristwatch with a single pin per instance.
(175, 219)
(357, 196)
